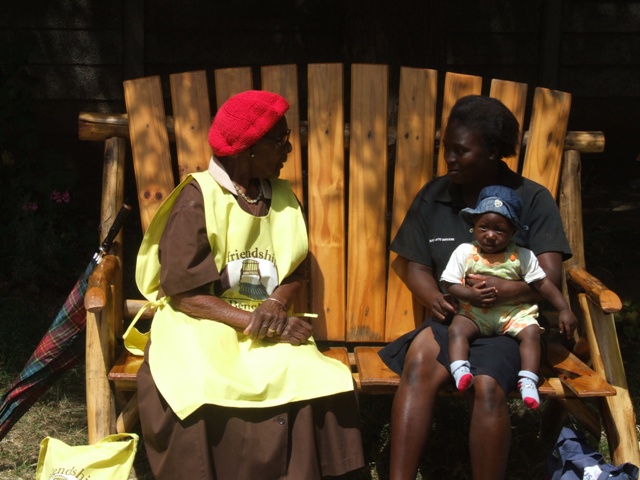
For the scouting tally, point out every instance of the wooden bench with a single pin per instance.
(356, 167)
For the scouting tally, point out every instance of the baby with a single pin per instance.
(495, 220)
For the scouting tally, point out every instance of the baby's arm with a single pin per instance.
(567, 320)
(479, 295)
(452, 280)
(455, 289)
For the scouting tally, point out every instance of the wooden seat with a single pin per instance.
(124, 370)
(580, 380)
(356, 168)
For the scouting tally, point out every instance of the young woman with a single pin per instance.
(480, 132)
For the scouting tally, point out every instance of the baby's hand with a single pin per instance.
(483, 296)
(567, 322)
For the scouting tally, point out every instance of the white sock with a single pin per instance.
(461, 371)
(528, 385)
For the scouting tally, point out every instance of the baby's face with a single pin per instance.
(493, 232)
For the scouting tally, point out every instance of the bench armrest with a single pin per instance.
(101, 279)
(582, 280)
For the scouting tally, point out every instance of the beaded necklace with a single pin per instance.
(251, 201)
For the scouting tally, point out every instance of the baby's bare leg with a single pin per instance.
(529, 339)
(461, 331)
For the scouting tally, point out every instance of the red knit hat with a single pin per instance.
(243, 119)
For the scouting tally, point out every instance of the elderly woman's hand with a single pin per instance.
(268, 320)
(297, 331)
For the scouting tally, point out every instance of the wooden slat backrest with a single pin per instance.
(283, 80)
(413, 168)
(514, 96)
(230, 81)
(547, 131)
(191, 119)
(356, 294)
(326, 206)
(366, 246)
(456, 85)
(149, 144)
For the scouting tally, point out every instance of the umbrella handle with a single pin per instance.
(113, 231)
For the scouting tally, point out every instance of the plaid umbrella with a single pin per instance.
(61, 346)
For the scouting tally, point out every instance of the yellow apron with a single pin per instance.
(195, 362)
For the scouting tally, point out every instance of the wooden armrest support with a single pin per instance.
(574, 374)
(102, 277)
(129, 417)
(606, 299)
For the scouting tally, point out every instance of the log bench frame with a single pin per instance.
(355, 198)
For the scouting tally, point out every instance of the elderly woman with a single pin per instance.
(232, 385)
(480, 132)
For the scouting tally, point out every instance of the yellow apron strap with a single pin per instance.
(134, 340)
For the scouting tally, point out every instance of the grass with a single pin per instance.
(60, 413)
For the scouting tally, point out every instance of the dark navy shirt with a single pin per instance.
(432, 228)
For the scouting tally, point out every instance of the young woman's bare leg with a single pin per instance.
(490, 432)
(413, 404)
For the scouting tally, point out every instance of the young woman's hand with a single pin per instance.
(443, 307)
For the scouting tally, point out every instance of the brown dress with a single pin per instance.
(302, 440)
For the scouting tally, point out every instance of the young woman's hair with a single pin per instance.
(489, 118)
